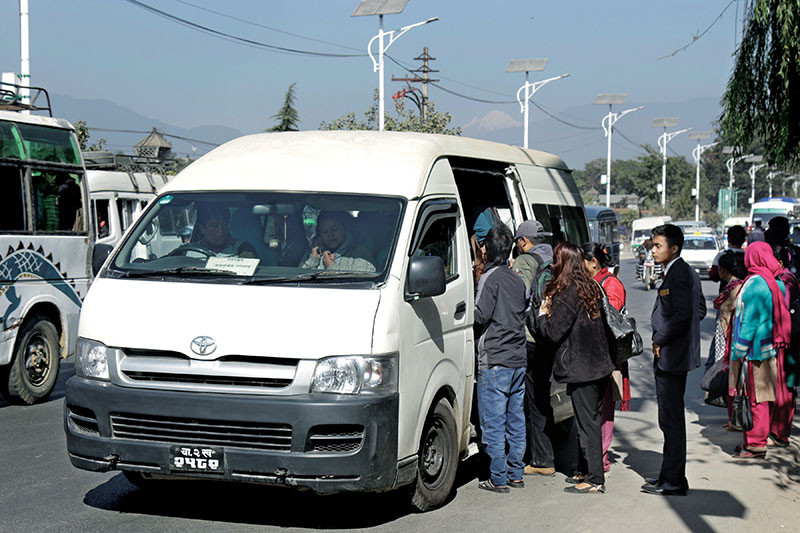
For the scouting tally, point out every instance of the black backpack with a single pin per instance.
(543, 275)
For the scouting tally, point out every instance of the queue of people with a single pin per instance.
(567, 342)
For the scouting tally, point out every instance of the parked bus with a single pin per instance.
(46, 242)
(604, 229)
(768, 208)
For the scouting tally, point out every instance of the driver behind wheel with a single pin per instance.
(213, 222)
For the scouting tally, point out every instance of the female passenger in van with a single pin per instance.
(597, 262)
(570, 317)
(334, 248)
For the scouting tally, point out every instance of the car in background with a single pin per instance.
(690, 226)
(699, 250)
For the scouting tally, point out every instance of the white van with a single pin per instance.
(239, 356)
(118, 198)
(641, 227)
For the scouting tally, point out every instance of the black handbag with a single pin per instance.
(715, 382)
(624, 341)
(742, 410)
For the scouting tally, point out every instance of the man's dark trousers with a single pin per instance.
(538, 411)
(670, 388)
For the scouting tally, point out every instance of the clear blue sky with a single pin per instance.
(114, 50)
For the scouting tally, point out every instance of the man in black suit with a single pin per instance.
(679, 308)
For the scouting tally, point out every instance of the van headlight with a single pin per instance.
(92, 360)
(356, 375)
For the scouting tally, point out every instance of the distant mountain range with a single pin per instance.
(574, 134)
(106, 114)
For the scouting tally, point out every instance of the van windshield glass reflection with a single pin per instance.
(262, 236)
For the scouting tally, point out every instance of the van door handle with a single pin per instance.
(461, 308)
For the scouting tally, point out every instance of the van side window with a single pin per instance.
(101, 217)
(565, 222)
(438, 222)
(12, 208)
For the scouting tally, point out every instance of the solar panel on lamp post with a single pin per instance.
(381, 8)
(526, 66)
(611, 118)
(697, 153)
(663, 140)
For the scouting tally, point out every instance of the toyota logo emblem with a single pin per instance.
(203, 345)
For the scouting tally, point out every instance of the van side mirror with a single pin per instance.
(425, 277)
(99, 256)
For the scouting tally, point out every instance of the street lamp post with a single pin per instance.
(729, 164)
(771, 176)
(608, 127)
(663, 140)
(752, 171)
(526, 66)
(390, 7)
(697, 153)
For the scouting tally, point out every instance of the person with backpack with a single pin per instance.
(533, 264)
(571, 318)
(782, 414)
(597, 262)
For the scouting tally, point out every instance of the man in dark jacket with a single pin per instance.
(679, 308)
(500, 312)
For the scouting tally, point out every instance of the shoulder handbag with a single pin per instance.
(742, 410)
(715, 381)
(624, 341)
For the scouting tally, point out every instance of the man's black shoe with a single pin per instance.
(664, 489)
(652, 481)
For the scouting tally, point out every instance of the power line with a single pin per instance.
(235, 38)
(187, 139)
(698, 36)
(267, 27)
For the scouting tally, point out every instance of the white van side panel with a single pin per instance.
(548, 186)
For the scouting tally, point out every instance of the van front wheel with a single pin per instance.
(438, 459)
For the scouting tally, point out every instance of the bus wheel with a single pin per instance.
(33, 372)
(438, 459)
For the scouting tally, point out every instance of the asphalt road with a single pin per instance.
(41, 491)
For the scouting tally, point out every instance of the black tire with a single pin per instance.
(33, 371)
(438, 459)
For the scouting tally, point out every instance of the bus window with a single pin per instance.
(56, 201)
(10, 144)
(565, 222)
(49, 144)
(12, 207)
(101, 217)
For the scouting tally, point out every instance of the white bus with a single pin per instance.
(768, 208)
(46, 244)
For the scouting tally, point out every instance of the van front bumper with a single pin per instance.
(336, 442)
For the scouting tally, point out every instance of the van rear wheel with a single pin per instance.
(438, 459)
(33, 372)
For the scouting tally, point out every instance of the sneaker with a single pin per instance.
(539, 471)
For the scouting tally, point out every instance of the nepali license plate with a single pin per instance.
(207, 459)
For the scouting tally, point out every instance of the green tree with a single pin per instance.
(762, 99)
(287, 116)
(406, 120)
(82, 132)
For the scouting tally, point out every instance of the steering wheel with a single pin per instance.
(181, 250)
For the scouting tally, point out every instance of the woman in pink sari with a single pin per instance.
(762, 329)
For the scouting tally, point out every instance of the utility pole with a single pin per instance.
(608, 127)
(24, 55)
(663, 140)
(424, 78)
(697, 153)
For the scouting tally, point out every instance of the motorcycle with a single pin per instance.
(648, 271)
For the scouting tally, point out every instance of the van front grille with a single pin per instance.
(240, 381)
(336, 438)
(256, 435)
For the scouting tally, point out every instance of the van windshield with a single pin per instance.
(261, 237)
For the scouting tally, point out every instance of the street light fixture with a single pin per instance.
(526, 66)
(608, 127)
(697, 153)
(753, 159)
(771, 176)
(729, 164)
(663, 140)
(381, 8)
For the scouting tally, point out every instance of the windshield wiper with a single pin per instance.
(186, 271)
(322, 274)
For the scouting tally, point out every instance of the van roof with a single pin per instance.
(650, 222)
(39, 120)
(594, 211)
(384, 163)
(113, 181)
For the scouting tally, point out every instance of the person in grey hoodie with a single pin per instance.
(529, 239)
(500, 313)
